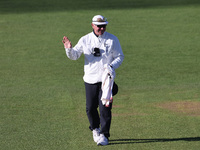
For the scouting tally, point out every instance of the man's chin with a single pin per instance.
(101, 33)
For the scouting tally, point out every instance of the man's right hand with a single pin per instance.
(66, 42)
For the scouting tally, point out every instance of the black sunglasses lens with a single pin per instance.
(101, 26)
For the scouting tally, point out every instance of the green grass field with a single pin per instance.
(42, 96)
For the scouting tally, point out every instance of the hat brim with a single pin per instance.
(100, 23)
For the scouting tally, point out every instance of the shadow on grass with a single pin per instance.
(135, 141)
(23, 6)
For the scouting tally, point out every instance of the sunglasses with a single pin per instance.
(101, 26)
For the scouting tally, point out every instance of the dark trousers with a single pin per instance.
(93, 101)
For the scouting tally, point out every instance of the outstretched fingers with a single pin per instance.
(66, 42)
(65, 39)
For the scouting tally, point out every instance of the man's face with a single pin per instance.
(99, 29)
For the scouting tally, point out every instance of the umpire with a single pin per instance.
(99, 48)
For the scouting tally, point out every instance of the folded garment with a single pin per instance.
(107, 85)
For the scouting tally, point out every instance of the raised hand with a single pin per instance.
(66, 42)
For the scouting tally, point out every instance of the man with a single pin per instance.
(100, 48)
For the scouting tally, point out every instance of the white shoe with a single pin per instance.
(102, 140)
(96, 134)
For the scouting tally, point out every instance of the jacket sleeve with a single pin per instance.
(118, 55)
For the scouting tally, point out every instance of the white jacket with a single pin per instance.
(111, 53)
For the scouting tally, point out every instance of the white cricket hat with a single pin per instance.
(99, 20)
